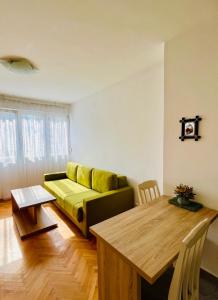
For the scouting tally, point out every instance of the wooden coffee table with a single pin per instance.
(28, 213)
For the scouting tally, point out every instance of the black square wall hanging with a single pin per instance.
(190, 128)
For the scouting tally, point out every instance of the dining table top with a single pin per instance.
(149, 236)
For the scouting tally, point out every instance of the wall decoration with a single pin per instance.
(190, 128)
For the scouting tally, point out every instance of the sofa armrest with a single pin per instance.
(106, 205)
(54, 176)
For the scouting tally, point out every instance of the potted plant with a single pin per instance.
(184, 194)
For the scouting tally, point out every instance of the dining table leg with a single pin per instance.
(117, 279)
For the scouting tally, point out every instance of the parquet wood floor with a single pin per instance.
(59, 264)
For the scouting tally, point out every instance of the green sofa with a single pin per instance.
(88, 195)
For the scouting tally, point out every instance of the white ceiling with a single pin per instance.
(82, 47)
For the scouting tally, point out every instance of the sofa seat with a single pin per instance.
(70, 195)
(73, 204)
(65, 187)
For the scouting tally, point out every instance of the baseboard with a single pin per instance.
(7, 199)
(209, 272)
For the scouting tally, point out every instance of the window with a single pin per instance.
(8, 137)
(34, 139)
(39, 137)
(58, 131)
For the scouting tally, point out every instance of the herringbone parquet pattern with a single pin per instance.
(59, 264)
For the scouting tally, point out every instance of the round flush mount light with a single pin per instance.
(18, 64)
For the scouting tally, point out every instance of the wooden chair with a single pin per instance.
(183, 281)
(148, 191)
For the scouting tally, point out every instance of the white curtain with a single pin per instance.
(34, 139)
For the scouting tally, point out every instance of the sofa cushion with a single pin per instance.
(72, 170)
(73, 204)
(64, 187)
(103, 181)
(84, 176)
(122, 181)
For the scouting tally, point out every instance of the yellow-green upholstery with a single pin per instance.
(73, 204)
(72, 170)
(64, 187)
(84, 176)
(97, 195)
(104, 181)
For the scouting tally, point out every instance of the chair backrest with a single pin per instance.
(185, 281)
(148, 191)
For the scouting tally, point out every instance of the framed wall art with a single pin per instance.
(190, 128)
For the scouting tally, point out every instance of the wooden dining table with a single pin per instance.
(141, 242)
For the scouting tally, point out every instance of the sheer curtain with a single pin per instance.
(34, 139)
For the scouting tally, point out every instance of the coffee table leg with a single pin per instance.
(14, 204)
(35, 214)
(32, 212)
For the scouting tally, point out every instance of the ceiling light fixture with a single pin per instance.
(18, 64)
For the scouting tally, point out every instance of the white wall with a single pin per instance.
(191, 88)
(121, 128)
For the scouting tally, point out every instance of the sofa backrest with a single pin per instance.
(96, 179)
(104, 181)
(84, 176)
(72, 170)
